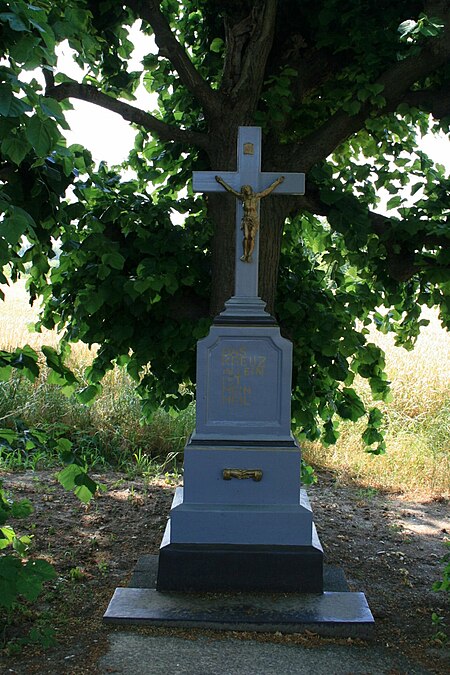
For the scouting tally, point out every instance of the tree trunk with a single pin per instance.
(221, 210)
(273, 215)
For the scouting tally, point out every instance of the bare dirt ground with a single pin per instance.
(389, 546)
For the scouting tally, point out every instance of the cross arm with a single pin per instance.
(293, 183)
(205, 181)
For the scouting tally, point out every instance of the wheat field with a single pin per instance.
(17, 318)
(417, 460)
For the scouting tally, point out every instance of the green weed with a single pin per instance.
(76, 574)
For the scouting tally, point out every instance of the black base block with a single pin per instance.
(146, 572)
(207, 567)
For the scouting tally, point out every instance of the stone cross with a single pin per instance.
(241, 523)
(248, 174)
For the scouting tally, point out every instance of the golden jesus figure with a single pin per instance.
(250, 221)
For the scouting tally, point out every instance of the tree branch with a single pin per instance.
(48, 77)
(401, 254)
(170, 48)
(186, 304)
(435, 101)
(396, 81)
(7, 171)
(166, 132)
(253, 67)
(382, 225)
(236, 36)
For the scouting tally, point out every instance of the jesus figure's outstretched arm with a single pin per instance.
(270, 189)
(228, 188)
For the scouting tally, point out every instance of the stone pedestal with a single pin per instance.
(242, 522)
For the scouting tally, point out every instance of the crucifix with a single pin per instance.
(249, 185)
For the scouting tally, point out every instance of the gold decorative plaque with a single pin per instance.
(249, 149)
(242, 474)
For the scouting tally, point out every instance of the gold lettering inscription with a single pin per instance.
(237, 370)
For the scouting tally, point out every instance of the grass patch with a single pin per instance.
(110, 432)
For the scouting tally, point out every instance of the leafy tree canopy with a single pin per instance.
(341, 89)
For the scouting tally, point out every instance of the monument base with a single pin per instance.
(214, 547)
(238, 567)
(335, 613)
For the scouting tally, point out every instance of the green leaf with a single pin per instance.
(376, 418)
(114, 260)
(21, 545)
(25, 50)
(10, 105)
(67, 476)
(21, 509)
(55, 361)
(9, 435)
(83, 494)
(7, 536)
(86, 487)
(26, 359)
(15, 148)
(73, 477)
(63, 445)
(93, 303)
(330, 434)
(350, 407)
(41, 134)
(33, 575)
(52, 108)
(87, 394)
(15, 22)
(10, 570)
(352, 107)
(394, 202)
(217, 45)
(371, 436)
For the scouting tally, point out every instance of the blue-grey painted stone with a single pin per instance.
(243, 407)
(267, 524)
(241, 310)
(204, 482)
(146, 571)
(243, 384)
(242, 568)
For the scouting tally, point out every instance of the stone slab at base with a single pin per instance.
(328, 614)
